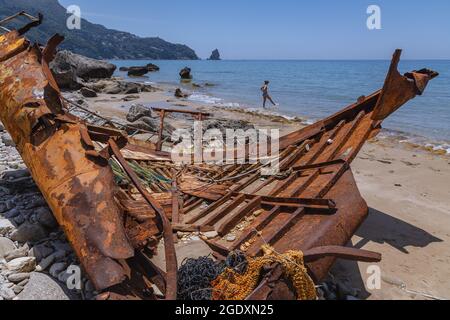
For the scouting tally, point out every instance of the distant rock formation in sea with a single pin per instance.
(93, 40)
(215, 55)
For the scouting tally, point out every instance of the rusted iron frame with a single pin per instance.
(175, 199)
(33, 22)
(162, 114)
(170, 253)
(238, 187)
(108, 121)
(269, 216)
(323, 143)
(293, 201)
(233, 218)
(356, 122)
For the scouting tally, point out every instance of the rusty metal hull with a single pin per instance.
(79, 191)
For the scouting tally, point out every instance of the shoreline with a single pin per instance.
(210, 101)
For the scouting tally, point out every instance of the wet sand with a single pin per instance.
(406, 187)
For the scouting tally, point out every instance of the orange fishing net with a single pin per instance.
(231, 285)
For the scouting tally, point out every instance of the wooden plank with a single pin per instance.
(218, 215)
(235, 217)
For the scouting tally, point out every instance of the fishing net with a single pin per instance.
(231, 285)
(195, 276)
(238, 276)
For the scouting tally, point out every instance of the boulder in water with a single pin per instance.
(215, 55)
(185, 73)
(137, 71)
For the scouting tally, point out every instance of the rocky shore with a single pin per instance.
(35, 257)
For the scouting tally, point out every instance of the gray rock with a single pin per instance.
(130, 98)
(13, 213)
(231, 238)
(211, 234)
(62, 246)
(7, 140)
(7, 293)
(23, 283)
(215, 55)
(46, 218)
(18, 277)
(57, 268)
(152, 67)
(40, 252)
(6, 246)
(88, 93)
(185, 73)
(28, 232)
(42, 287)
(45, 263)
(3, 206)
(22, 265)
(138, 111)
(17, 289)
(17, 253)
(68, 67)
(6, 227)
(137, 71)
(180, 94)
(16, 174)
(2, 127)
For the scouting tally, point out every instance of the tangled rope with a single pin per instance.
(195, 276)
(231, 285)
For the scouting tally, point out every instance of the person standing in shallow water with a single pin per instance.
(266, 96)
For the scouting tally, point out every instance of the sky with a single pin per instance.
(283, 29)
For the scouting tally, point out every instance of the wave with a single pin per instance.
(416, 140)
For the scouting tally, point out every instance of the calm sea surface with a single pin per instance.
(315, 89)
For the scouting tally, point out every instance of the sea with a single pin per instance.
(313, 90)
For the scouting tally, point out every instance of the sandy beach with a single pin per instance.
(405, 186)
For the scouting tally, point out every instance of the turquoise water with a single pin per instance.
(314, 89)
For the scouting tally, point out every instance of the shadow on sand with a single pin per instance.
(381, 228)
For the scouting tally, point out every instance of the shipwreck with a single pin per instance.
(115, 226)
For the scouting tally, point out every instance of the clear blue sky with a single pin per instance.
(283, 29)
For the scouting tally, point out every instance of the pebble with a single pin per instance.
(6, 246)
(7, 140)
(12, 213)
(40, 252)
(22, 265)
(211, 234)
(57, 268)
(46, 218)
(7, 293)
(17, 253)
(18, 289)
(258, 213)
(43, 287)
(231, 238)
(28, 232)
(6, 227)
(23, 283)
(18, 277)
